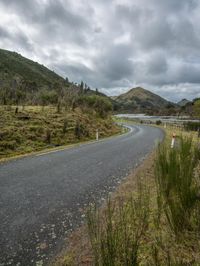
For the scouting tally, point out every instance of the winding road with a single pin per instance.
(42, 197)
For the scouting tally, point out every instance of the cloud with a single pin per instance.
(113, 45)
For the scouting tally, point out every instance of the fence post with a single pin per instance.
(97, 135)
(173, 140)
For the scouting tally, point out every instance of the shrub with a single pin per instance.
(158, 122)
(80, 130)
(193, 126)
(115, 235)
(10, 145)
(177, 185)
(100, 104)
(47, 97)
(65, 125)
(48, 136)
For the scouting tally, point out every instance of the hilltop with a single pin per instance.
(183, 102)
(141, 100)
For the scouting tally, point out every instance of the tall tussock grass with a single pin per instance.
(116, 232)
(134, 230)
(178, 185)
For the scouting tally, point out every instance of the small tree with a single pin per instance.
(20, 96)
(48, 136)
(58, 107)
(77, 130)
(80, 130)
(48, 97)
(65, 125)
(82, 87)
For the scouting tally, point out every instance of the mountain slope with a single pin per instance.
(23, 81)
(13, 66)
(183, 102)
(141, 100)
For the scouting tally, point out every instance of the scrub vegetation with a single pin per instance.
(34, 128)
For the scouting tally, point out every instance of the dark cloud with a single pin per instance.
(59, 13)
(112, 45)
(3, 33)
(19, 37)
(155, 34)
(157, 64)
(129, 14)
(22, 8)
(115, 63)
(97, 29)
(174, 6)
(188, 73)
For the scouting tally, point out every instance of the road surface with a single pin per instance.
(42, 197)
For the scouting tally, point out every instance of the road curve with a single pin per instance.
(42, 197)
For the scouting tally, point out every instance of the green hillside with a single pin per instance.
(25, 82)
(13, 66)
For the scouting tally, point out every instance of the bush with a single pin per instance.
(158, 122)
(115, 236)
(178, 185)
(81, 130)
(65, 125)
(100, 104)
(48, 136)
(10, 145)
(46, 97)
(193, 126)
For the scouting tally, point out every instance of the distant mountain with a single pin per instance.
(183, 102)
(139, 100)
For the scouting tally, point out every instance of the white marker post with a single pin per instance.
(97, 135)
(173, 140)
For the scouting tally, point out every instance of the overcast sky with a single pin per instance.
(113, 45)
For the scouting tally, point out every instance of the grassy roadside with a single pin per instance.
(36, 128)
(133, 228)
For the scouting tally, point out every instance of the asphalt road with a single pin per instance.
(42, 197)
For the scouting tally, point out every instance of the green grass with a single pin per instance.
(35, 128)
(178, 184)
(116, 233)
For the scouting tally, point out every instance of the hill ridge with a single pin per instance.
(139, 99)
